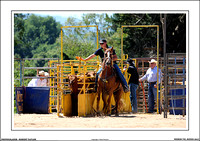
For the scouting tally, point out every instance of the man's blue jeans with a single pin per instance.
(152, 96)
(119, 74)
(133, 96)
(97, 76)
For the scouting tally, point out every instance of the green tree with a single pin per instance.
(34, 36)
(136, 41)
(19, 29)
(31, 31)
(176, 33)
(81, 41)
(46, 51)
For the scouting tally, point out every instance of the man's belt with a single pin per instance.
(152, 82)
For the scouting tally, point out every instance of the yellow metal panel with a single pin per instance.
(89, 106)
(61, 46)
(122, 48)
(67, 106)
(78, 26)
(89, 103)
(140, 26)
(100, 103)
(81, 105)
(97, 41)
(125, 101)
(58, 95)
(50, 99)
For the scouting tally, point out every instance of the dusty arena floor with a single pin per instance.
(135, 121)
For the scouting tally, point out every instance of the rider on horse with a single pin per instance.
(100, 52)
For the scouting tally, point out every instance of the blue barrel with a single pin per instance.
(177, 102)
(36, 100)
(19, 97)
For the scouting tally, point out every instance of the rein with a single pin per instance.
(106, 79)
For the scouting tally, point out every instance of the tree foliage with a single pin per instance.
(39, 37)
(82, 41)
(31, 31)
(142, 42)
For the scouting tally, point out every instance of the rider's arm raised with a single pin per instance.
(88, 58)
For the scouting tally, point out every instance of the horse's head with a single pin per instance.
(108, 57)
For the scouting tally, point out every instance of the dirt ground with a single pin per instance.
(135, 121)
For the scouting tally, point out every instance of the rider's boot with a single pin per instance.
(95, 88)
(125, 88)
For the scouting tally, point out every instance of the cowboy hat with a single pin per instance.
(129, 60)
(152, 61)
(41, 73)
(102, 41)
(46, 73)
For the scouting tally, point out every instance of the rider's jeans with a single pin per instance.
(97, 75)
(119, 74)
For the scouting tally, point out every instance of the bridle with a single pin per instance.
(107, 59)
(107, 63)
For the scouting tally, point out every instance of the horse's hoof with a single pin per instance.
(109, 115)
(117, 114)
(98, 114)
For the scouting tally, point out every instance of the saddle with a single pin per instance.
(113, 74)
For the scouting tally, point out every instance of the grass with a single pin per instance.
(15, 108)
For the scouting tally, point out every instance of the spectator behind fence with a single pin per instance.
(41, 82)
(33, 82)
(47, 75)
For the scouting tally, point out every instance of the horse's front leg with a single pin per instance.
(109, 102)
(98, 100)
(118, 96)
(104, 97)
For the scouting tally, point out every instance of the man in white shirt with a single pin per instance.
(33, 82)
(47, 75)
(41, 82)
(151, 77)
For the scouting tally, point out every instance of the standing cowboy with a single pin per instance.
(133, 84)
(100, 52)
(151, 77)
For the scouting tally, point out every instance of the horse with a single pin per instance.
(108, 84)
